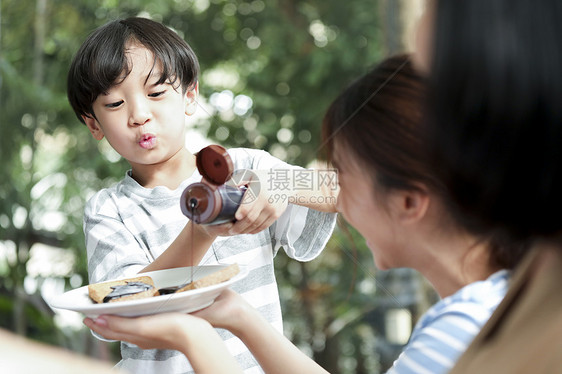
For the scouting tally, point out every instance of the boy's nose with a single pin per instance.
(140, 113)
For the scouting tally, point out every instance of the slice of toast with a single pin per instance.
(99, 291)
(214, 278)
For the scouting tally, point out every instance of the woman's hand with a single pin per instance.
(229, 311)
(190, 335)
(160, 331)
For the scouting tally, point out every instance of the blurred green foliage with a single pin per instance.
(290, 57)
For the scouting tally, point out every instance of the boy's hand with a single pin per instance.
(256, 213)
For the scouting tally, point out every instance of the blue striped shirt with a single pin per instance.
(444, 332)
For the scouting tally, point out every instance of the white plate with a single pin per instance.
(184, 302)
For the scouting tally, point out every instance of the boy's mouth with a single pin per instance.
(147, 141)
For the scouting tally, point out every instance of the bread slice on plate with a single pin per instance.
(214, 278)
(121, 290)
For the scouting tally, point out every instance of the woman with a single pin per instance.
(496, 130)
(392, 196)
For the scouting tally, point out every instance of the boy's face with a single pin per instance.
(144, 122)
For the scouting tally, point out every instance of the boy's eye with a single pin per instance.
(156, 94)
(114, 105)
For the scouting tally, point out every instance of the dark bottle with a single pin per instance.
(210, 201)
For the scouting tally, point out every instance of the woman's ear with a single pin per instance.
(93, 126)
(410, 206)
(191, 100)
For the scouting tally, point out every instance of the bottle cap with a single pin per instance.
(214, 164)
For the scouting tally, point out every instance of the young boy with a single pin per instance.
(134, 82)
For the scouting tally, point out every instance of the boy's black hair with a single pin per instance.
(101, 60)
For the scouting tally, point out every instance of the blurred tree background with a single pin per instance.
(269, 70)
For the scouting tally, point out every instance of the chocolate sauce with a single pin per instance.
(195, 214)
(171, 289)
(130, 288)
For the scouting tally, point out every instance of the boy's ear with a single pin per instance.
(93, 126)
(410, 206)
(191, 100)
